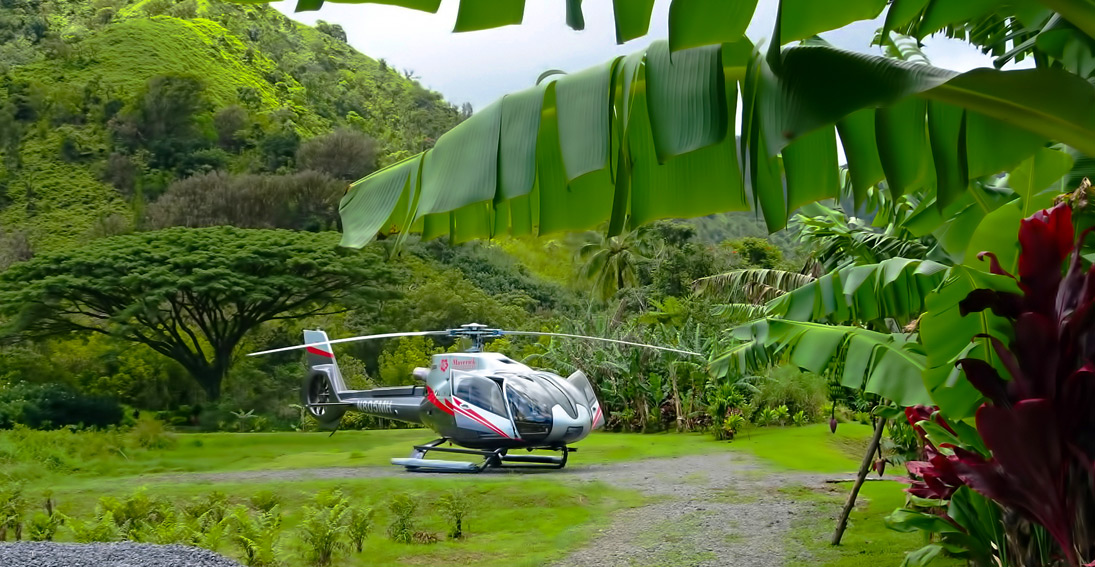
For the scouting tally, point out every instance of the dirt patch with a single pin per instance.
(707, 510)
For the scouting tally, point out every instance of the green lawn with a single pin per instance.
(518, 522)
(517, 519)
(810, 448)
(867, 542)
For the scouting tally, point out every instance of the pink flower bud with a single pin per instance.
(832, 424)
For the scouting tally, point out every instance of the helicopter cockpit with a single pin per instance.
(529, 407)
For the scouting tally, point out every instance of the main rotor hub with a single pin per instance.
(477, 332)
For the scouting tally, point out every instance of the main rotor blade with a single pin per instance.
(350, 340)
(532, 333)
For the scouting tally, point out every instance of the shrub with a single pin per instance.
(361, 523)
(213, 507)
(257, 535)
(12, 508)
(173, 528)
(323, 527)
(403, 508)
(265, 500)
(102, 528)
(455, 506)
(150, 433)
(42, 526)
(343, 154)
(788, 386)
(137, 514)
(782, 415)
(50, 406)
(733, 424)
(799, 418)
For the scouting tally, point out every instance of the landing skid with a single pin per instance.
(499, 458)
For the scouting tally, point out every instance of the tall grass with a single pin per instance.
(30, 454)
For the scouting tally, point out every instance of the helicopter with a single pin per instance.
(484, 402)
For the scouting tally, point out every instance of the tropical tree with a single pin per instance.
(610, 262)
(189, 294)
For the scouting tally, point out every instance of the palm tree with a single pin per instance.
(610, 261)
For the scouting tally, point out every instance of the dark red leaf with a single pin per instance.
(1045, 240)
(994, 264)
(986, 379)
(1008, 305)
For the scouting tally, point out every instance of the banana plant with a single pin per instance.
(646, 136)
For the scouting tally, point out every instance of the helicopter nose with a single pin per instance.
(566, 429)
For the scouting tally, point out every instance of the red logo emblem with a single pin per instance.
(444, 364)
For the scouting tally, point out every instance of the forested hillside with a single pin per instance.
(105, 104)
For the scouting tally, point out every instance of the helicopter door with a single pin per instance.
(480, 406)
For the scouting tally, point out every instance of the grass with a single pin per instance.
(517, 522)
(225, 452)
(867, 542)
(517, 519)
(810, 448)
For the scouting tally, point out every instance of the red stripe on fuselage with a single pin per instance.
(480, 419)
(432, 398)
(315, 350)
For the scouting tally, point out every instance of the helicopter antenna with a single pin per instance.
(629, 343)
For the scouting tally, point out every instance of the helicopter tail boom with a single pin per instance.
(325, 395)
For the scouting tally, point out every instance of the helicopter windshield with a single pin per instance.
(529, 404)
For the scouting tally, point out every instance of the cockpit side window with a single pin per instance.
(482, 392)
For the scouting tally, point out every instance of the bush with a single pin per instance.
(257, 535)
(323, 527)
(51, 406)
(149, 433)
(42, 526)
(403, 526)
(102, 528)
(343, 154)
(213, 507)
(788, 386)
(12, 508)
(455, 506)
(361, 523)
(138, 514)
(302, 201)
(265, 500)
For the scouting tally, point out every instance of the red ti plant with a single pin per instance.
(936, 477)
(1039, 421)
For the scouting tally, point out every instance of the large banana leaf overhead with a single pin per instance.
(651, 135)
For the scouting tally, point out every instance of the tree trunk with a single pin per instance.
(209, 377)
(864, 468)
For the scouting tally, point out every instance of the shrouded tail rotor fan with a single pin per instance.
(316, 394)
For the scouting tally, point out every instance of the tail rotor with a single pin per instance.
(323, 383)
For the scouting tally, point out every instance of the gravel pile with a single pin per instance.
(122, 554)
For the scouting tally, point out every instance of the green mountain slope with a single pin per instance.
(98, 116)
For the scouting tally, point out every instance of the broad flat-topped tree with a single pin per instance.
(189, 294)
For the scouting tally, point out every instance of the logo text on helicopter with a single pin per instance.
(375, 406)
(457, 364)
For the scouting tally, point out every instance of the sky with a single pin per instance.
(480, 67)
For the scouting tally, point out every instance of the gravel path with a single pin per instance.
(707, 510)
(721, 509)
(122, 554)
